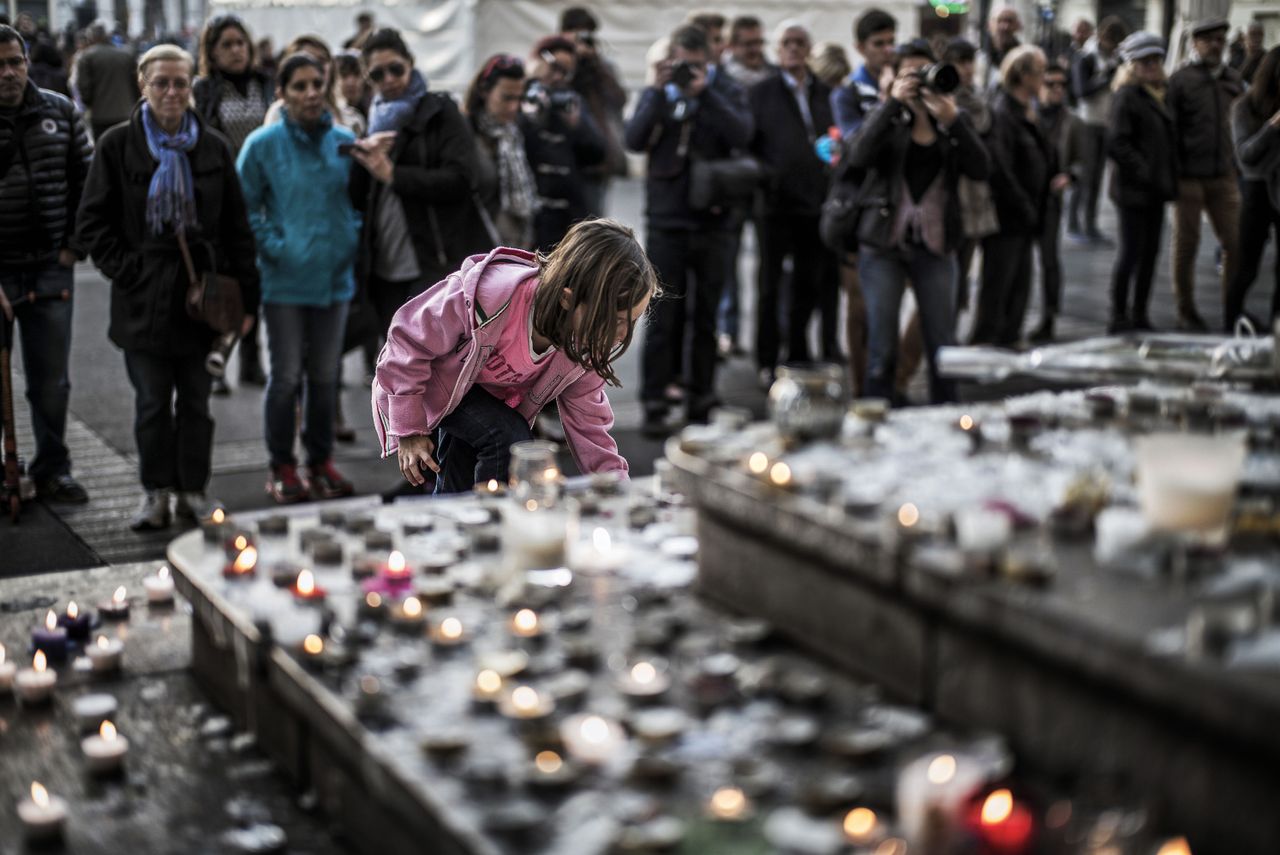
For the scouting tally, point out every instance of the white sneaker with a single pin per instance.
(196, 507)
(153, 513)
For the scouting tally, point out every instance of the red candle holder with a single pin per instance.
(243, 566)
(1002, 825)
(306, 590)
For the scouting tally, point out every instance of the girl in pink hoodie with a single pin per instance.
(475, 357)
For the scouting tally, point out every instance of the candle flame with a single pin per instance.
(892, 846)
(942, 769)
(451, 628)
(548, 762)
(313, 644)
(728, 802)
(163, 572)
(966, 422)
(306, 583)
(218, 516)
(780, 474)
(107, 731)
(246, 560)
(531, 505)
(758, 463)
(595, 729)
(73, 611)
(412, 607)
(39, 794)
(103, 644)
(118, 596)
(39, 662)
(373, 600)
(644, 672)
(241, 542)
(492, 486)
(524, 698)
(488, 681)
(602, 541)
(525, 622)
(859, 822)
(396, 562)
(551, 473)
(908, 515)
(997, 808)
(51, 621)
(1176, 846)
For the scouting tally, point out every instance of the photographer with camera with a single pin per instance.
(596, 80)
(689, 120)
(1023, 165)
(914, 148)
(560, 138)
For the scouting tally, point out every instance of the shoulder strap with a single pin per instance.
(186, 256)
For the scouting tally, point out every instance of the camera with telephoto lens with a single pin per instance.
(682, 74)
(941, 77)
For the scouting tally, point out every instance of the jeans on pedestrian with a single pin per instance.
(884, 275)
(304, 344)
(1140, 228)
(171, 424)
(1085, 196)
(813, 284)
(473, 444)
(690, 265)
(1220, 199)
(1258, 218)
(1006, 289)
(45, 327)
(1048, 243)
(731, 302)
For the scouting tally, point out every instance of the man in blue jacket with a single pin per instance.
(689, 114)
(874, 35)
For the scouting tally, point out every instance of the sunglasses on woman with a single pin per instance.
(395, 69)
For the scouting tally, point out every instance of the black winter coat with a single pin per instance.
(1201, 107)
(558, 154)
(880, 148)
(1023, 163)
(148, 279)
(796, 179)
(435, 175)
(1142, 142)
(719, 125)
(44, 157)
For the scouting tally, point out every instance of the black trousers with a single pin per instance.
(171, 425)
(1258, 217)
(1006, 289)
(1048, 243)
(1087, 192)
(691, 267)
(1140, 228)
(812, 286)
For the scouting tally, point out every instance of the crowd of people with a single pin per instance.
(336, 188)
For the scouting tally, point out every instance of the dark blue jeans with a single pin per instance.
(46, 350)
(304, 343)
(474, 442)
(171, 422)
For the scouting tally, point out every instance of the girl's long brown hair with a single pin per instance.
(606, 272)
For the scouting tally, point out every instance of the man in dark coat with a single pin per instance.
(44, 156)
(791, 110)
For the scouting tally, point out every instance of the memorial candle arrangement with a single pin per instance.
(159, 587)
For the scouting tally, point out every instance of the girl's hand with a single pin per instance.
(415, 453)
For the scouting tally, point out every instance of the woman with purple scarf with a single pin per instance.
(163, 172)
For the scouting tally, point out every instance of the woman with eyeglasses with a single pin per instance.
(232, 97)
(506, 184)
(416, 182)
(162, 172)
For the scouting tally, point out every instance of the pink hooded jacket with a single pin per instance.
(438, 342)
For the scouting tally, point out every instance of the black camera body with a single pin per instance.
(555, 100)
(682, 75)
(941, 77)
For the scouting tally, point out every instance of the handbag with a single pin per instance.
(212, 298)
(842, 210)
(728, 182)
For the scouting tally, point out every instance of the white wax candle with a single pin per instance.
(7, 670)
(599, 555)
(159, 587)
(526, 703)
(533, 537)
(105, 654)
(42, 815)
(92, 710)
(34, 685)
(105, 750)
(592, 739)
(644, 680)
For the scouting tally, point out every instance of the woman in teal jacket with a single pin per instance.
(295, 185)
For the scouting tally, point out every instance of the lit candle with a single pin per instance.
(244, 566)
(34, 685)
(599, 555)
(116, 608)
(397, 570)
(644, 680)
(105, 655)
(487, 688)
(534, 536)
(372, 605)
(409, 615)
(1175, 846)
(729, 804)
(159, 587)
(448, 632)
(525, 624)
(75, 623)
(527, 704)
(592, 739)
(490, 488)
(42, 815)
(50, 638)
(7, 670)
(1004, 825)
(968, 426)
(932, 790)
(305, 590)
(758, 463)
(862, 827)
(236, 542)
(505, 663)
(780, 474)
(105, 750)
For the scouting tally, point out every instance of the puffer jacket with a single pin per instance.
(44, 158)
(1141, 140)
(1200, 102)
(148, 279)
